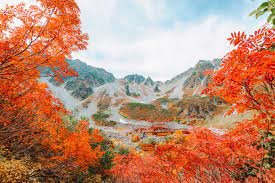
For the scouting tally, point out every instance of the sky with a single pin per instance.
(160, 38)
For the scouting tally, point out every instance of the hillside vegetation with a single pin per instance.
(165, 110)
(147, 112)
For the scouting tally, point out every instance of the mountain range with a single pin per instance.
(119, 105)
(97, 90)
(91, 78)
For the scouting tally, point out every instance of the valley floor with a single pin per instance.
(121, 133)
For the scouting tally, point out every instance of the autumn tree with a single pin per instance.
(246, 80)
(33, 37)
(246, 153)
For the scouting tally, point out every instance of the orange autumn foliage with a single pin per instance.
(247, 74)
(134, 168)
(34, 37)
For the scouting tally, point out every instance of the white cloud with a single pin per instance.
(153, 9)
(129, 37)
(161, 53)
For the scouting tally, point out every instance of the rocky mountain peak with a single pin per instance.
(190, 82)
(85, 70)
(216, 62)
(203, 65)
(135, 78)
(149, 82)
(180, 76)
(198, 81)
(88, 77)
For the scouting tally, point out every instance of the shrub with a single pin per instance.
(149, 140)
(147, 112)
(122, 150)
(135, 138)
(135, 94)
(70, 122)
(105, 123)
(100, 116)
(168, 137)
(106, 160)
(134, 105)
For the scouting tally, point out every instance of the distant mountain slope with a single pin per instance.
(88, 77)
(198, 81)
(149, 82)
(135, 78)
(173, 87)
(96, 88)
(96, 76)
(190, 82)
(97, 91)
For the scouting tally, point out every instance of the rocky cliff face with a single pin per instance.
(88, 78)
(181, 76)
(192, 107)
(79, 88)
(95, 76)
(173, 87)
(198, 74)
(134, 78)
(149, 82)
(197, 80)
(195, 107)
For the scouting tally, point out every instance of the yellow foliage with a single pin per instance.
(94, 178)
(178, 132)
(12, 171)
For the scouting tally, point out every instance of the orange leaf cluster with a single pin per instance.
(33, 38)
(247, 74)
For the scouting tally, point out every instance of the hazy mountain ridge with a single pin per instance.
(188, 83)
